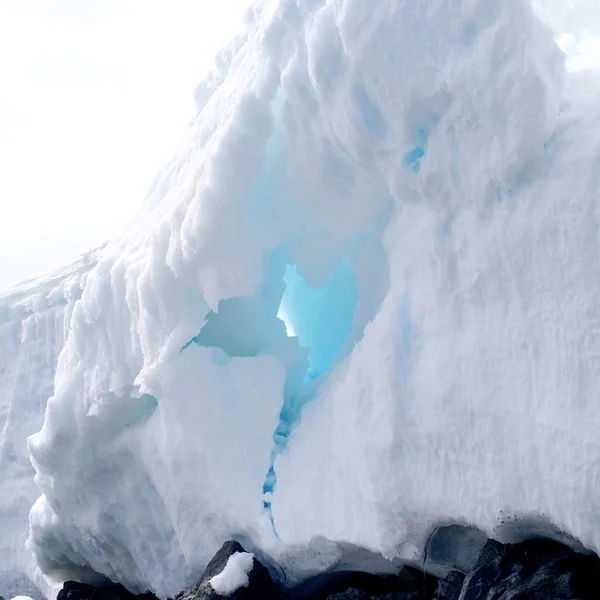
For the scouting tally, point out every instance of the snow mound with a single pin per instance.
(362, 299)
(234, 575)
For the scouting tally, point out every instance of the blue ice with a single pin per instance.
(371, 115)
(412, 159)
(321, 318)
(285, 307)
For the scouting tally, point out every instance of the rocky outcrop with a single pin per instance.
(453, 547)
(408, 584)
(72, 590)
(539, 569)
(450, 587)
(260, 584)
(423, 587)
(466, 567)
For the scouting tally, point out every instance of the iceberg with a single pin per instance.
(360, 301)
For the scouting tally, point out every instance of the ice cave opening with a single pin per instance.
(321, 318)
(305, 327)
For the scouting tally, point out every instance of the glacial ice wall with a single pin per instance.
(34, 321)
(360, 300)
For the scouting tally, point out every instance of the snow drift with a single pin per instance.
(361, 300)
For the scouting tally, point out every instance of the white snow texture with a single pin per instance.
(34, 321)
(234, 575)
(413, 187)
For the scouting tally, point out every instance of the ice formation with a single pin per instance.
(234, 575)
(34, 321)
(361, 300)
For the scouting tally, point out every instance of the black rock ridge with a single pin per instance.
(260, 584)
(476, 569)
(73, 590)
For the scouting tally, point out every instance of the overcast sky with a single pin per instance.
(94, 95)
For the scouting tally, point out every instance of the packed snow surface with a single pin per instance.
(234, 575)
(362, 299)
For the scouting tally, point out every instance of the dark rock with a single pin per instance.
(260, 584)
(455, 578)
(73, 590)
(453, 547)
(351, 594)
(354, 594)
(450, 587)
(409, 584)
(539, 569)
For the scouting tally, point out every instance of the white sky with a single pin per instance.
(94, 95)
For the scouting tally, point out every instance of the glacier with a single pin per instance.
(34, 323)
(360, 301)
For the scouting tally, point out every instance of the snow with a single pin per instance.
(361, 300)
(33, 324)
(234, 575)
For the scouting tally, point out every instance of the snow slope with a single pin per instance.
(34, 321)
(361, 299)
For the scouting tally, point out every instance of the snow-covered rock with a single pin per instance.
(234, 575)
